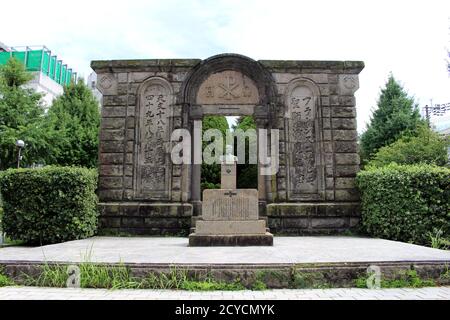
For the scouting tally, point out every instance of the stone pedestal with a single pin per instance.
(230, 218)
(228, 175)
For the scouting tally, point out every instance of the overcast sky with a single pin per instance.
(409, 38)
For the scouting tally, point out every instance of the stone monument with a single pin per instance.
(230, 215)
(310, 103)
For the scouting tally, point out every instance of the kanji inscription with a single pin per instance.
(301, 117)
(154, 133)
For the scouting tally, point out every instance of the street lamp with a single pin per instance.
(19, 144)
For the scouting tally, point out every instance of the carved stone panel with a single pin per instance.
(230, 204)
(301, 117)
(348, 84)
(153, 163)
(107, 84)
(227, 88)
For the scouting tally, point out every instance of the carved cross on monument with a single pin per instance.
(228, 89)
(230, 193)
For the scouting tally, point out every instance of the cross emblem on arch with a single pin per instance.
(228, 89)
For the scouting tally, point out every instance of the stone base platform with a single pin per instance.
(290, 262)
(143, 218)
(241, 240)
(313, 218)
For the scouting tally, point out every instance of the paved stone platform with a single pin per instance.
(34, 293)
(286, 250)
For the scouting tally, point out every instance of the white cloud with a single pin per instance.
(408, 38)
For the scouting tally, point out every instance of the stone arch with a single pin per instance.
(154, 112)
(222, 62)
(304, 137)
(261, 108)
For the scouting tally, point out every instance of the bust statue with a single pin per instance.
(229, 158)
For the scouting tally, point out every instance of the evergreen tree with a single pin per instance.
(396, 115)
(75, 116)
(21, 117)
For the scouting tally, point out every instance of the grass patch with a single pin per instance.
(259, 285)
(91, 276)
(292, 280)
(5, 280)
(210, 285)
(402, 279)
(444, 277)
(7, 242)
(120, 277)
(312, 280)
(270, 278)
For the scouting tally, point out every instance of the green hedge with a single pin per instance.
(49, 205)
(406, 202)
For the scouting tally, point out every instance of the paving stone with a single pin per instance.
(32, 293)
(175, 250)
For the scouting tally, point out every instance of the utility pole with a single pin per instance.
(427, 115)
(19, 144)
(428, 109)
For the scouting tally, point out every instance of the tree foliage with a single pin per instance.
(67, 135)
(247, 174)
(211, 172)
(427, 147)
(21, 117)
(397, 114)
(13, 73)
(244, 123)
(75, 116)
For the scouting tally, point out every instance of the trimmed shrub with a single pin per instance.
(405, 203)
(49, 205)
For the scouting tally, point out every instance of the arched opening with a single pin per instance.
(229, 85)
(247, 172)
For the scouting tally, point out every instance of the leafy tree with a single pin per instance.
(75, 116)
(397, 114)
(21, 117)
(211, 172)
(427, 147)
(245, 123)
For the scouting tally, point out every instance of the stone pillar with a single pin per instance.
(196, 200)
(262, 185)
(268, 178)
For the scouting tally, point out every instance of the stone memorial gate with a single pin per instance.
(311, 103)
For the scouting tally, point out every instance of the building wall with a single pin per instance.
(46, 86)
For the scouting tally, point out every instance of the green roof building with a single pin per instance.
(50, 73)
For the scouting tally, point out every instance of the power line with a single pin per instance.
(438, 109)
